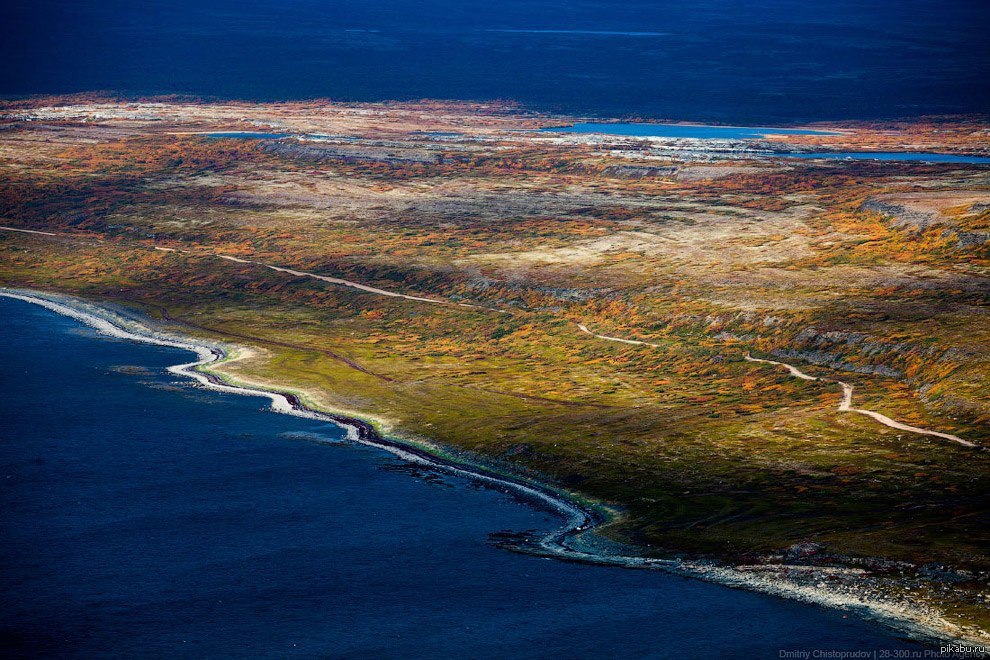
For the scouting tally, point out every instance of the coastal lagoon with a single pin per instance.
(146, 516)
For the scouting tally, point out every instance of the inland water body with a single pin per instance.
(703, 132)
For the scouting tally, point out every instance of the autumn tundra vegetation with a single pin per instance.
(873, 273)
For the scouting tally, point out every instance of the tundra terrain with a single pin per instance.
(575, 307)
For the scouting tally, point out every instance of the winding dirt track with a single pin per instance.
(847, 390)
(347, 283)
(280, 269)
(30, 231)
(583, 328)
(846, 404)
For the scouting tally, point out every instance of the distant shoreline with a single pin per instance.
(580, 517)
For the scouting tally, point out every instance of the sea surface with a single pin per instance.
(728, 61)
(145, 517)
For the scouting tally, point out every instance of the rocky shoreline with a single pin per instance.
(892, 593)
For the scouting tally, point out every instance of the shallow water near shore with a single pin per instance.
(145, 516)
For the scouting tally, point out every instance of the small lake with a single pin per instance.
(912, 156)
(682, 130)
(751, 133)
(146, 517)
(696, 132)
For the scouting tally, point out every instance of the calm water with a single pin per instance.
(893, 155)
(681, 131)
(730, 61)
(751, 132)
(144, 517)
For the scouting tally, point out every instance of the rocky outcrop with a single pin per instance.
(903, 217)
(639, 171)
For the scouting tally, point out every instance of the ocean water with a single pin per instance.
(730, 61)
(144, 517)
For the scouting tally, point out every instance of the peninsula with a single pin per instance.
(761, 356)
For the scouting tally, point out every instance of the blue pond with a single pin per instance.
(145, 517)
(914, 156)
(751, 132)
(681, 130)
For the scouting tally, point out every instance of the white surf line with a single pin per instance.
(915, 622)
(846, 404)
(577, 518)
(28, 231)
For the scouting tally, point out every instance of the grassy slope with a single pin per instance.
(735, 460)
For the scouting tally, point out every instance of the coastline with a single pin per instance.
(580, 518)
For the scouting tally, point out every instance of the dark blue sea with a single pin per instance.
(142, 516)
(742, 61)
